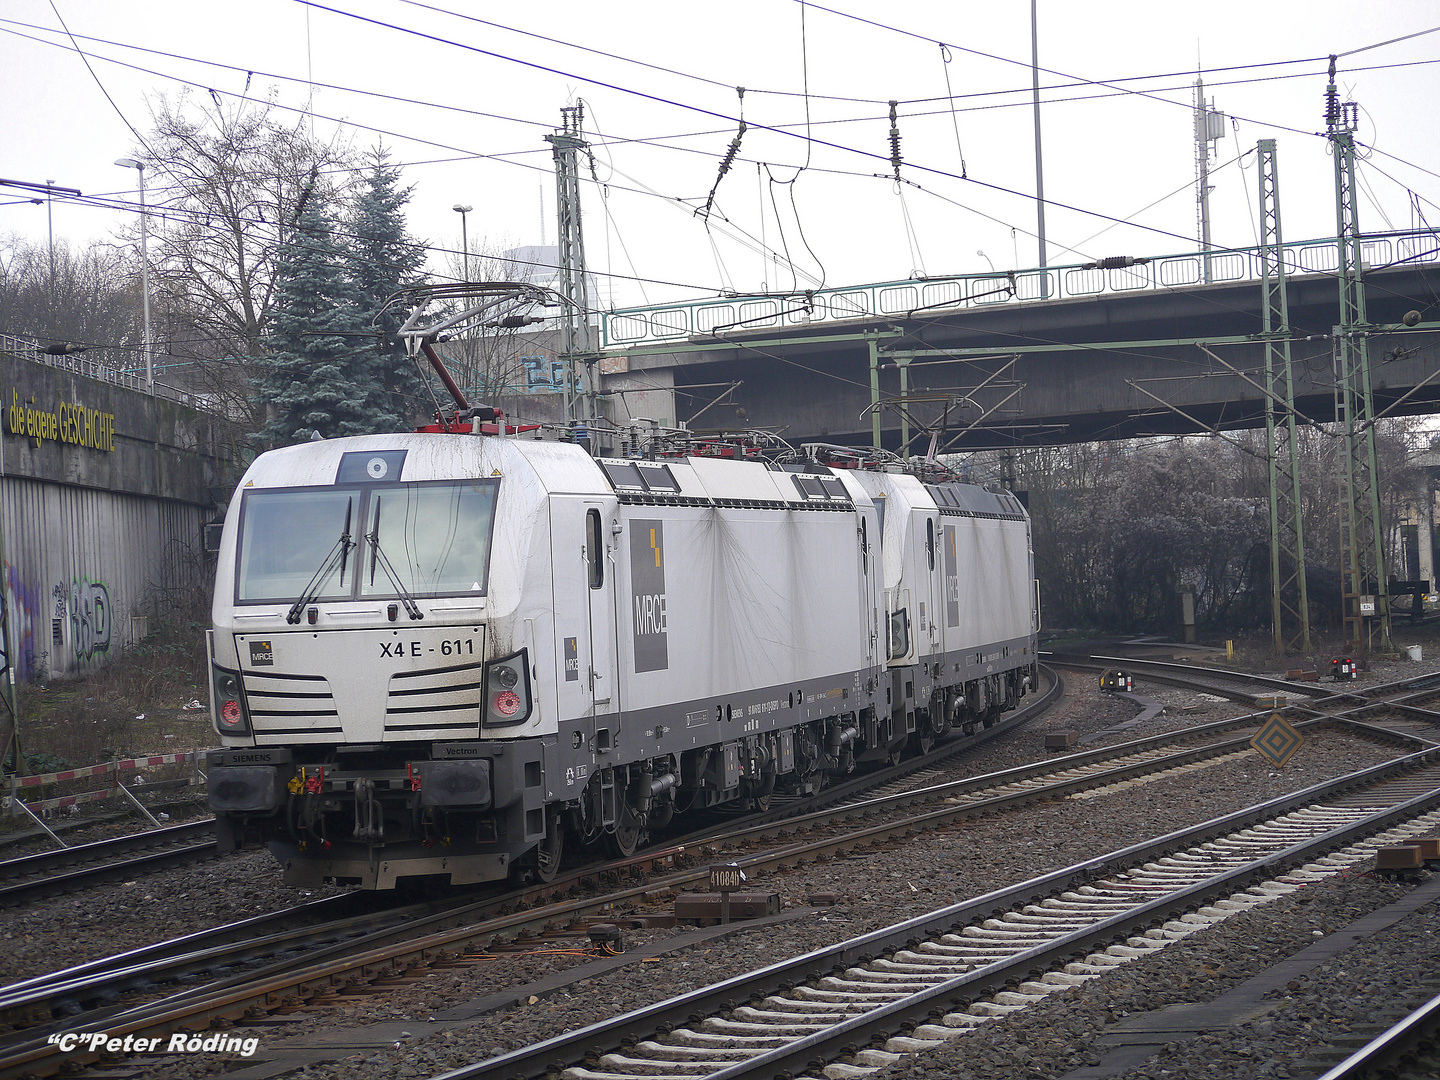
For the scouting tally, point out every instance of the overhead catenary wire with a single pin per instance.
(504, 158)
(963, 177)
(507, 156)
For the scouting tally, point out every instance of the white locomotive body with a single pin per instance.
(442, 654)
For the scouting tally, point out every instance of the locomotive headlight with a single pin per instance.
(507, 690)
(229, 699)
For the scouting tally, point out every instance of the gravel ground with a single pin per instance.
(875, 889)
(1338, 1001)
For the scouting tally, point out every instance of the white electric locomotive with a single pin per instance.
(449, 654)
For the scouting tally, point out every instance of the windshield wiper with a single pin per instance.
(378, 554)
(340, 554)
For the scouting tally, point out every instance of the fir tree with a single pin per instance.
(321, 372)
(387, 259)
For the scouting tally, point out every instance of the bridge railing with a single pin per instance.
(100, 365)
(677, 322)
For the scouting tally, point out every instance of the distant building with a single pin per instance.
(1419, 516)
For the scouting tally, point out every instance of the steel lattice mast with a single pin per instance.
(1363, 585)
(575, 325)
(1289, 601)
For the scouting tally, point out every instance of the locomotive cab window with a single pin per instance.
(414, 539)
(287, 536)
(435, 538)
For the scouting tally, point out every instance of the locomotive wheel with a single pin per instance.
(660, 814)
(923, 740)
(551, 851)
(897, 753)
(626, 837)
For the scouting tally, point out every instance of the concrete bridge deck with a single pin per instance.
(1092, 363)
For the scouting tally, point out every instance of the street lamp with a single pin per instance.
(462, 210)
(987, 259)
(139, 166)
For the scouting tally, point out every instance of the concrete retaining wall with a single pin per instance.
(103, 492)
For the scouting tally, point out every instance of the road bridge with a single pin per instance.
(1160, 346)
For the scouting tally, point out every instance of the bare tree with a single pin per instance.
(229, 183)
(86, 300)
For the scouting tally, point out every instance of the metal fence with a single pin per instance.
(674, 322)
(111, 782)
(95, 366)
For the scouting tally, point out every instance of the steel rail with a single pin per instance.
(46, 861)
(397, 950)
(1419, 1026)
(537, 1061)
(29, 1003)
(85, 877)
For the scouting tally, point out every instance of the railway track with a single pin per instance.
(369, 957)
(404, 950)
(34, 877)
(1400, 704)
(928, 980)
(50, 873)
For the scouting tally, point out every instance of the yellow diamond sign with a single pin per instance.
(1276, 740)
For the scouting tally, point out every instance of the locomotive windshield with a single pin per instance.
(414, 539)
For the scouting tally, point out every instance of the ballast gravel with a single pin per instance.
(875, 889)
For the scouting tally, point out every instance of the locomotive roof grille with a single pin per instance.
(640, 476)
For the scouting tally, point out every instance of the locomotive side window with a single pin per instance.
(930, 541)
(594, 548)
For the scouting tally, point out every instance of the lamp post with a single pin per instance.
(139, 166)
(462, 210)
(987, 260)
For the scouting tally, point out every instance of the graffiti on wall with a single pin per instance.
(90, 620)
(24, 609)
(35, 622)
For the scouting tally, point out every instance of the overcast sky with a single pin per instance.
(812, 181)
